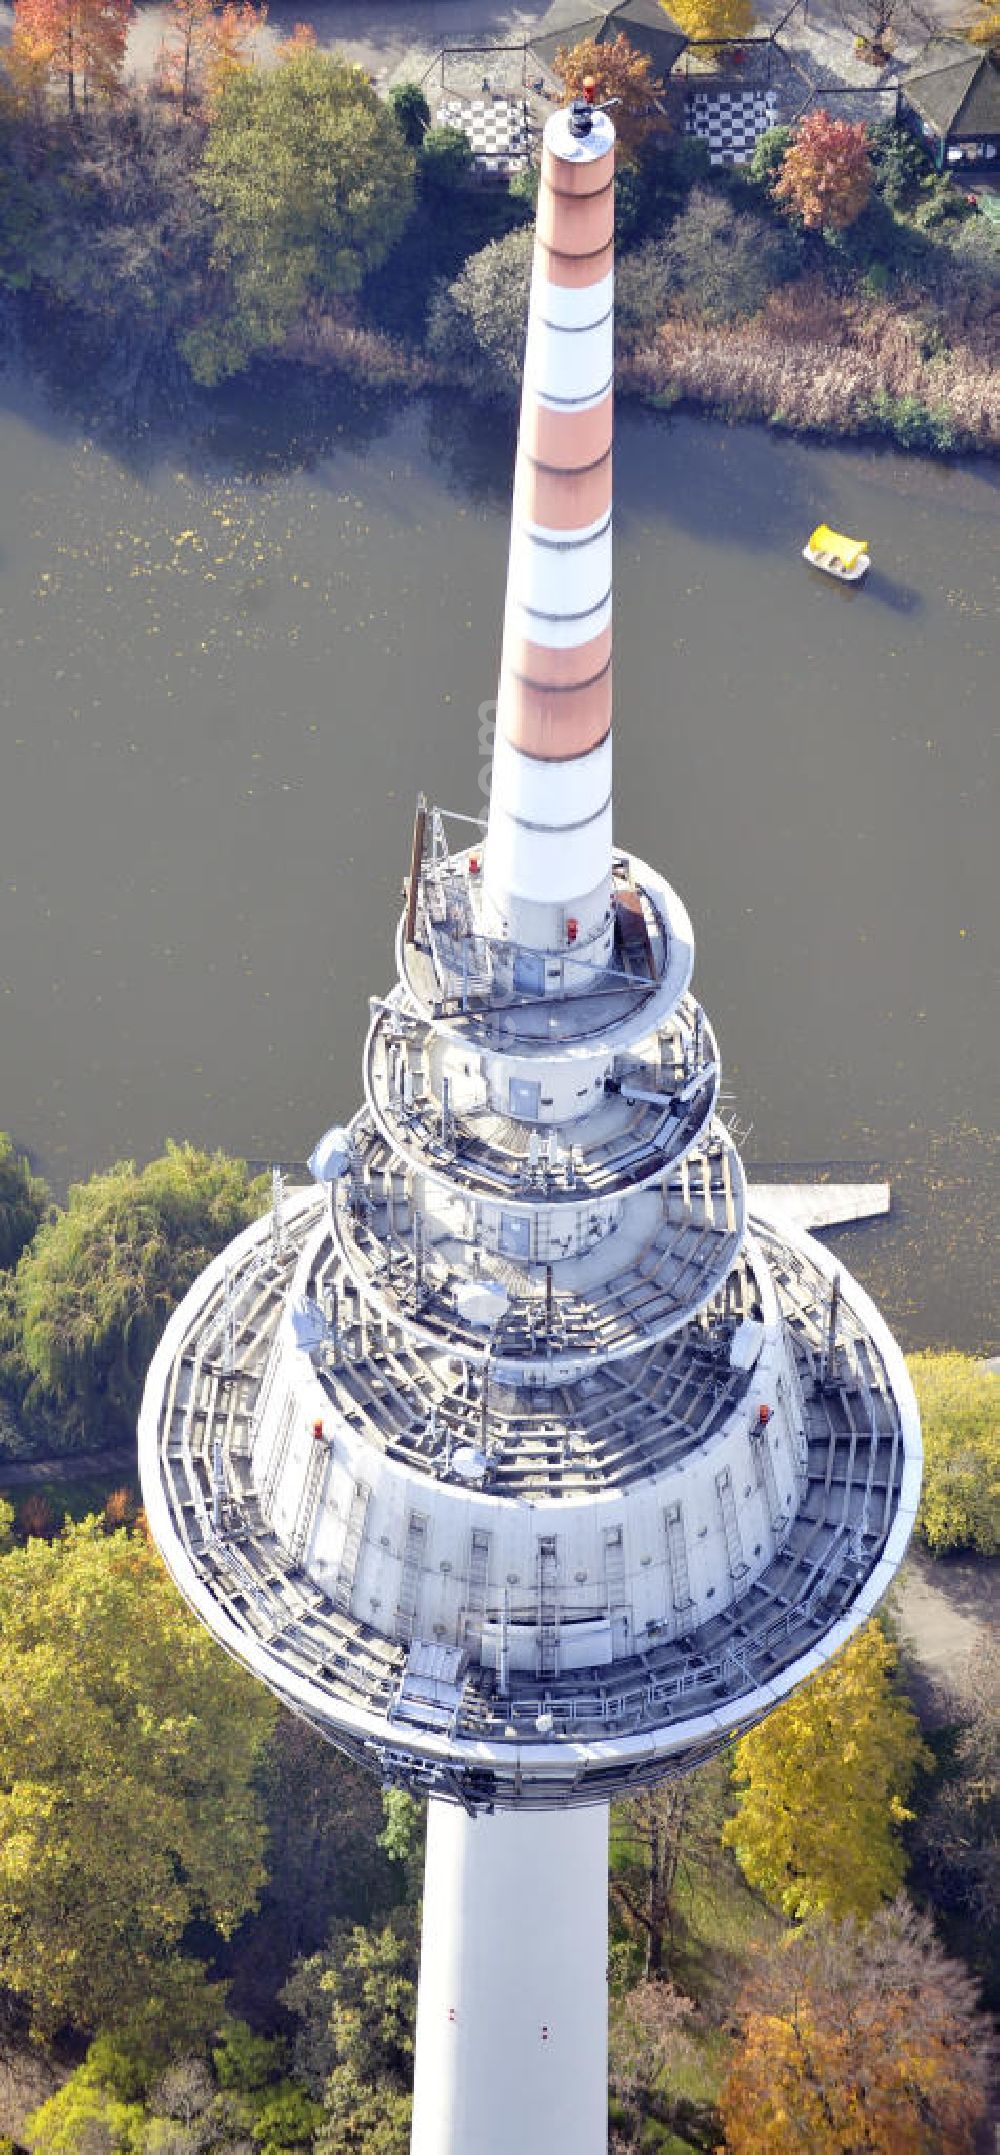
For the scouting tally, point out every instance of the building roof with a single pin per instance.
(955, 87)
(645, 23)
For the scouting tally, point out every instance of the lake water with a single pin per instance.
(226, 668)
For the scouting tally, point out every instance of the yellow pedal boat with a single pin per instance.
(846, 559)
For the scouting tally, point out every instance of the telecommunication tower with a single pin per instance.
(524, 1454)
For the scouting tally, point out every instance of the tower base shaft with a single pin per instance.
(512, 2010)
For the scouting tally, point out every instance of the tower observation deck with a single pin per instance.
(523, 1454)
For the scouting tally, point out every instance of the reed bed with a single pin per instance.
(817, 361)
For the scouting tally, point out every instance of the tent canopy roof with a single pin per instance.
(955, 87)
(647, 26)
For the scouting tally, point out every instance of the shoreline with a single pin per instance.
(750, 376)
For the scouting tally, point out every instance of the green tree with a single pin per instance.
(324, 1864)
(959, 1401)
(768, 156)
(477, 323)
(87, 2115)
(92, 1293)
(367, 2101)
(404, 1839)
(857, 2041)
(413, 113)
(128, 1744)
(311, 182)
(823, 1782)
(24, 1200)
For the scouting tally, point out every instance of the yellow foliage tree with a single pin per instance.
(823, 1783)
(857, 2041)
(128, 1745)
(985, 28)
(959, 1402)
(705, 21)
(616, 72)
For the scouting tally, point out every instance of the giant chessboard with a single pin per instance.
(497, 128)
(730, 121)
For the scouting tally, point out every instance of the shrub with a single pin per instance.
(942, 201)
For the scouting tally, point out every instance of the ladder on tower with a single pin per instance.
(413, 1557)
(548, 1607)
(475, 1605)
(738, 1566)
(677, 1559)
(352, 1549)
(763, 1463)
(276, 1462)
(319, 1461)
(616, 1589)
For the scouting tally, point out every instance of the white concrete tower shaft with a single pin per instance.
(548, 851)
(512, 2016)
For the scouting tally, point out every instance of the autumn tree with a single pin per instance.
(959, 1401)
(826, 174)
(647, 2038)
(128, 1746)
(823, 1784)
(708, 21)
(857, 2041)
(231, 42)
(615, 71)
(311, 183)
(80, 41)
(187, 45)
